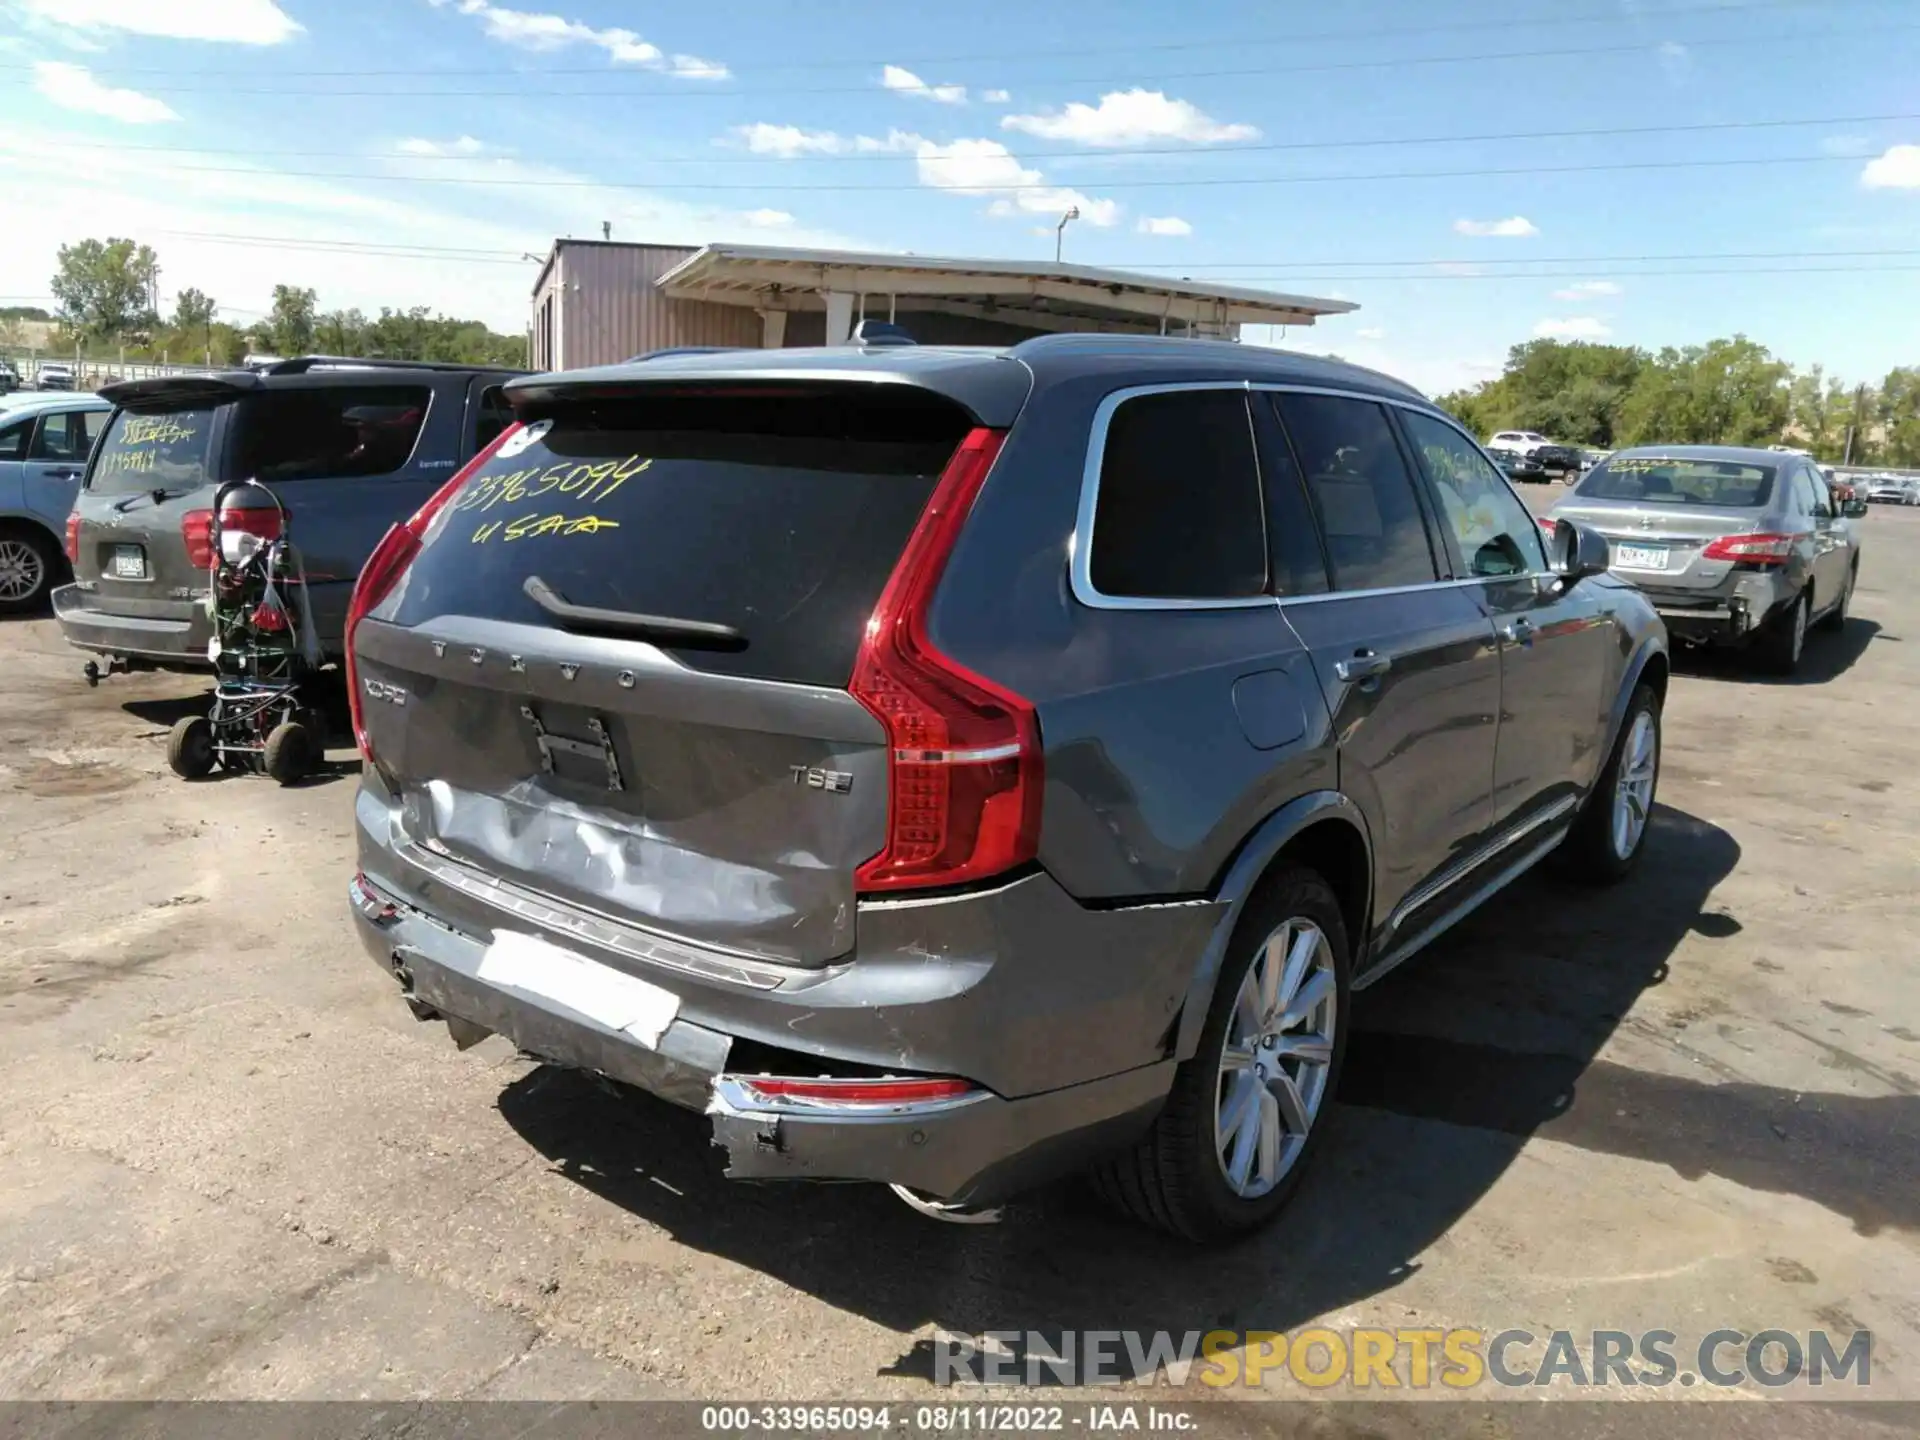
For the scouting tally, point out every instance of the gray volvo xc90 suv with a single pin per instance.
(954, 768)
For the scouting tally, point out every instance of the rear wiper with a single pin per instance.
(669, 629)
(158, 497)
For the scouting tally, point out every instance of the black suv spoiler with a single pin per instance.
(171, 391)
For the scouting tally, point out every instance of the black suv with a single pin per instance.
(350, 446)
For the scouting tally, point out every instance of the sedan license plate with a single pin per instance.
(128, 562)
(1640, 557)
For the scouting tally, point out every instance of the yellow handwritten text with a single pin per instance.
(588, 484)
(155, 430)
(532, 527)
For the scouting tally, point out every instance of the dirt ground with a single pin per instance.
(232, 1164)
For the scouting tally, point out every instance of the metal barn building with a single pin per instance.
(597, 301)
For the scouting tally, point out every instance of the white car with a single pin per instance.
(1523, 442)
(54, 375)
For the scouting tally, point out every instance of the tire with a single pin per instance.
(29, 561)
(1836, 618)
(1784, 640)
(190, 752)
(290, 752)
(1175, 1177)
(1593, 852)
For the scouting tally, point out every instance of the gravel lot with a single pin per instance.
(232, 1165)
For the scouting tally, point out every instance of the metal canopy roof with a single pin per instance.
(779, 278)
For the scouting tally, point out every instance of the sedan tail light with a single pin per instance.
(389, 561)
(1764, 548)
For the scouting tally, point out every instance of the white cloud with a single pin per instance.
(1587, 290)
(1128, 117)
(1514, 227)
(789, 142)
(237, 22)
(1574, 327)
(1372, 332)
(1164, 225)
(414, 145)
(72, 87)
(995, 97)
(768, 219)
(1897, 169)
(986, 167)
(905, 82)
(539, 31)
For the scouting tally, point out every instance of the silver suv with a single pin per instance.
(1733, 546)
(954, 767)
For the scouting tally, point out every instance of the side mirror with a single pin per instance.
(1853, 509)
(1575, 551)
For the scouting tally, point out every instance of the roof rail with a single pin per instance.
(301, 364)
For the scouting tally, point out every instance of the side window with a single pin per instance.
(333, 432)
(1178, 514)
(495, 415)
(1376, 535)
(66, 437)
(1494, 532)
(1819, 500)
(13, 440)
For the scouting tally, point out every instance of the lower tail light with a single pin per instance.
(768, 1090)
(964, 765)
(196, 528)
(73, 538)
(389, 562)
(1765, 548)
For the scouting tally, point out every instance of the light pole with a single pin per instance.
(1060, 231)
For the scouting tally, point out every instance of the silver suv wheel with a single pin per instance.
(1633, 787)
(1276, 1059)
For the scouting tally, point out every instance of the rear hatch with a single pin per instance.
(1660, 514)
(157, 461)
(615, 674)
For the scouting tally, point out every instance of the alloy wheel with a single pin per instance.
(1276, 1059)
(1633, 788)
(22, 571)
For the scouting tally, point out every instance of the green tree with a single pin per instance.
(289, 325)
(13, 334)
(1898, 412)
(1726, 392)
(1568, 391)
(1818, 402)
(341, 332)
(105, 287)
(193, 311)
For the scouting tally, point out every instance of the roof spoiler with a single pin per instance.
(167, 391)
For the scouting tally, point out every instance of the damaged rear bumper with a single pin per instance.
(972, 1151)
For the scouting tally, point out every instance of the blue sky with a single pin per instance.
(410, 151)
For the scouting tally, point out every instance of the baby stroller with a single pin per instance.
(264, 649)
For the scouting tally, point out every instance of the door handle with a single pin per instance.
(1363, 666)
(1517, 632)
(63, 474)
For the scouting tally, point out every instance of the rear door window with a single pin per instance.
(1179, 513)
(494, 415)
(13, 439)
(1375, 531)
(778, 510)
(329, 432)
(67, 437)
(167, 451)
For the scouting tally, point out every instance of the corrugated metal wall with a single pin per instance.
(610, 310)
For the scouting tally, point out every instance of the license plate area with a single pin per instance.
(127, 562)
(1640, 557)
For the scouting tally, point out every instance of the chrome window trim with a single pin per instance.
(1080, 544)
(1080, 548)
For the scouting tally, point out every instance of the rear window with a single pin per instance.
(154, 452)
(1661, 481)
(331, 432)
(777, 510)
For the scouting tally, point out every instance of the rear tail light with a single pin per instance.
(73, 538)
(963, 761)
(389, 562)
(196, 528)
(767, 1090)
(1761, 549)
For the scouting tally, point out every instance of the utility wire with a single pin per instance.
(1103, 153)
(1263, 71)
(1236, 41)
